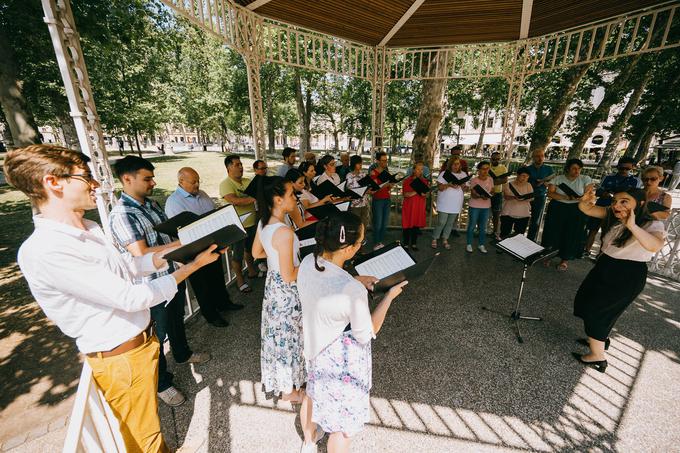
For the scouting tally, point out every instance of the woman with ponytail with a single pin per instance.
(281, 353)
(630, 237)
(338, 328)
(296, 218)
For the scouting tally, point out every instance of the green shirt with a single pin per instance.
(229, 186)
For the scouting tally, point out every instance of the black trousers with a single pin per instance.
(169, 322)
(511, 225)
(410, 235)
(209, 287)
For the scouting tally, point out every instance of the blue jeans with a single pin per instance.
(477, 216)
(381, 217)
(169, 323)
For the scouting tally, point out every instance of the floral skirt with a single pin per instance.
(338, 384)
(281, 354)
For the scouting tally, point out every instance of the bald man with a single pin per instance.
(208, 283)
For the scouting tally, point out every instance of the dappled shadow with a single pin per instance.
(445, 368)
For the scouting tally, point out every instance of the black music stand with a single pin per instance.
(529, 253)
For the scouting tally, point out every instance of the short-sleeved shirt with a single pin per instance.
(450, 200)
(331, 299)
(181, 200)
(612, 182)
(132, 221)
(229, 186)
(513, 207)
(283, 169)
(487, 184)
(578, 185)
(632, 250)
(498, 170)
(536, 173)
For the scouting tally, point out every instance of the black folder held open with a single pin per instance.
(327, 188)
(481, 191)
(368, 182)
(306, 236)
(419, 186)
(524, 196)
(452, 179)
(568, 191)
(392, 265)
(323, 211)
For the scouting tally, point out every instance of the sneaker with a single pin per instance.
(172, 397)
(468, 248)
(198, 357)
(482, 249)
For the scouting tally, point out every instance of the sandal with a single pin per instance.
(447, 246)
(562, 267)
(245, 288)
(434, 244)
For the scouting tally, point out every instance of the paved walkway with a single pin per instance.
(449, 376)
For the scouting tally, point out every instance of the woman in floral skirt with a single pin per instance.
(281, 353)
(338, 328)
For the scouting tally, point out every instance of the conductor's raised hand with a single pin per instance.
(207, 256)
(396, 290)
(589, 195)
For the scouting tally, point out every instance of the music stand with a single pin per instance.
(529, 253)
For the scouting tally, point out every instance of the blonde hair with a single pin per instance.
(26, 167)
(655, 168)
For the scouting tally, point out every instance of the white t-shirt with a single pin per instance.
(578, 185)
(450, 200)
(330, 300)
(632, 250)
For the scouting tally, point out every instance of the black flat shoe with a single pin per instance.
(231, 307)
(219, 322)
(599, 365)
(584, 342)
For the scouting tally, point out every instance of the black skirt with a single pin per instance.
(606, 292)
(565, 229)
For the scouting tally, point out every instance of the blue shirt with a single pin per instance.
(535, 174)
(132, 221)
(181, 200)
(613, 182)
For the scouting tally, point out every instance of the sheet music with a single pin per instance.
(359, 190)
(209, 224)
(386, 264)
(342, 185)
(307, 242)
(344, 206)
(521, 246)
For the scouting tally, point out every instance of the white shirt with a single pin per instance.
(631, 250)
(450, 200)
(332, 177)
(84, 284)
(578, 185)
(330, 300)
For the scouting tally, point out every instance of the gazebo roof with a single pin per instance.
(410, 23)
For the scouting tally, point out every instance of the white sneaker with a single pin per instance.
(468, 248)
(172, 397)
(482, 249)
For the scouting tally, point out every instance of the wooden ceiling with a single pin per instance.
(439, 22)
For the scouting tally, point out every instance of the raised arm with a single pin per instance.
(587, 204)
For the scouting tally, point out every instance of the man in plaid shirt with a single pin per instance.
(132, 222)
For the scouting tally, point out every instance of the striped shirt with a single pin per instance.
(131, 221)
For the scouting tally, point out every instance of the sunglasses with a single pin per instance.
(650, 179)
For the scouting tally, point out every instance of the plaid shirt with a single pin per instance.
(131, 221)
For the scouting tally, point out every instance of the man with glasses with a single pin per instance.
(132, 223)
(87, 288)
(619, 180)
(289, 158)
(208, 283)
(260, 167)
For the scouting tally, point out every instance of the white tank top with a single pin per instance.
(266, 235)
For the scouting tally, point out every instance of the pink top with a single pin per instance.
(517, 208)
(487, 184)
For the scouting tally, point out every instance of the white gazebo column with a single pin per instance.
(513, 105)
(256, 111)
(378, 111)
(66, 42)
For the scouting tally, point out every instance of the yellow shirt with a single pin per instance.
(500, 169)
(229, 186)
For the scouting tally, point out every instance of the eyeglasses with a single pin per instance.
(87, 178)
(262, 168)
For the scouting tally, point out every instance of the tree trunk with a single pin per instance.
(304, 110)
(480, 142)
(643, 148)
(429, 117)
(622, 120)
(69, 131)
(546, 126)
(19, 118)
(9, 142)
(611, 96)
(139, 149)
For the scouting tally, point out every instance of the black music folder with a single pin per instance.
(653, 206)
(451, 178)
(481, 191)
(368, 182)
(222, 227)
(182, 219)
(306, 236)
(520, 196)
(385, 177)
(327, 188)
(251, 190)
(419, 186)
(323, 211)
(568, 191)
(392, 265)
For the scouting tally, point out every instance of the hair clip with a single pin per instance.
(342, 234)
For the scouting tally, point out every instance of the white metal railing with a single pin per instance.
(92, 426)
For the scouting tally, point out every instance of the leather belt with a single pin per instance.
(129, 345)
